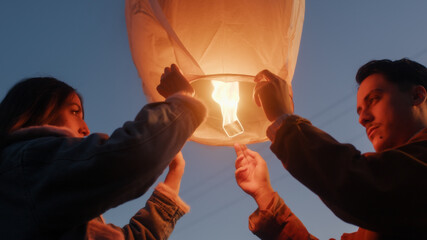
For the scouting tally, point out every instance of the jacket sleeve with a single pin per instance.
(158, 218)
(278, 222)
(79, 179)
(379, 191)
(153, 222)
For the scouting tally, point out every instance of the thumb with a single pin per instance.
(258, 90)
(241, 173)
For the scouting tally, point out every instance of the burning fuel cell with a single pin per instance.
(226, 94)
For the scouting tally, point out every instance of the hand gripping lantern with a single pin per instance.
(219, 46)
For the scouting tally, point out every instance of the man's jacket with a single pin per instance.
(384, 192)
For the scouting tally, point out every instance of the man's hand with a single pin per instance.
(172, 81)
(252, 175)
(176, 170)
(273, 94)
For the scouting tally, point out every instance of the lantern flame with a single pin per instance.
(226, 94)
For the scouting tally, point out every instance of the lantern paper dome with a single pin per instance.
(219, 45)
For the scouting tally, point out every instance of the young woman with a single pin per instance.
(56, 179)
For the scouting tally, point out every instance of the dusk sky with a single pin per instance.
(85, 44)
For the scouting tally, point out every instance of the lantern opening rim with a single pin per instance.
(221, 77)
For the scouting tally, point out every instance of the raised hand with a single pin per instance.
(176, 170)
(252, 175)
(273, 94)
(172, 81)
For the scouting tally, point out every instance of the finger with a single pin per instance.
(256, 98)
(238, 149)
(261, 85)
(290, 91)
(241, 173)
(257, 88)
(251, 153)
(243, 147)
(260, 76)
(239, 161)
(175, 68)
(177, 164)
(257, 91)
(167, 70)
(293, 106)
(160, 90)
(255, 157)
(270, 76)
(179, 155)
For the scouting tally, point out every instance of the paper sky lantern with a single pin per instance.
(219, 45)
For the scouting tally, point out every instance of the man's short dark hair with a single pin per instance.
(404, 72)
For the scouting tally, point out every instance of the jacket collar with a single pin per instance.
(420, 136)
(33, 132)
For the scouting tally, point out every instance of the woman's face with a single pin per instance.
(71, 116)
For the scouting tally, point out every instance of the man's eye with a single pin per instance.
(75, 112)
(373, 99)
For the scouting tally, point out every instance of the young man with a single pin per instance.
(385, 193)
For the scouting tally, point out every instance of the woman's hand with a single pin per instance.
(176, 170)
(273, 94)
(252, 175)
(172, 81)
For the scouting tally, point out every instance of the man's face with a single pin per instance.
(385, 111)
(71, 117)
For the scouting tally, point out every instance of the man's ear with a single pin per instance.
(419, 95)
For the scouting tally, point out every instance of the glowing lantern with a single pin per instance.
(219, 45)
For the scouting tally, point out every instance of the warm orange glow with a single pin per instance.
(222, 40)
(226, 94)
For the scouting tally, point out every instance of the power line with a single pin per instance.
(196, 186)
(335, 117)
(212, 213)
(329, 107)
(419, 54)
(216, 185)
(185, 192)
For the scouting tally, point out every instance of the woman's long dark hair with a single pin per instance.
(32, 102)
